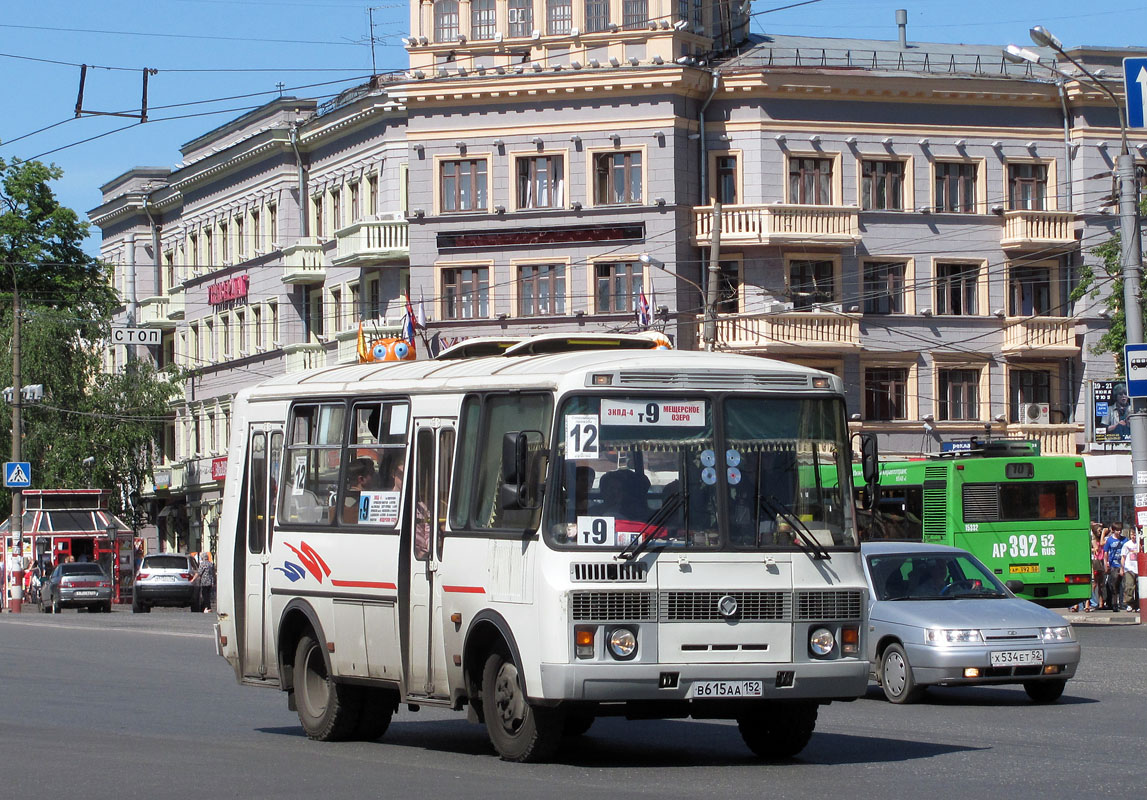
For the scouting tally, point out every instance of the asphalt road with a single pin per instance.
(122, 705)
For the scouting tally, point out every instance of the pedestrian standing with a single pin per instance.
(204, 582)
(1113, 586)
(1129, 558)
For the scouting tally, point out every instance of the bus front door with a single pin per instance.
(264, 454)
(425, 655)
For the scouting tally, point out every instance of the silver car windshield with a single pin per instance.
(660, 471)
(932, 576)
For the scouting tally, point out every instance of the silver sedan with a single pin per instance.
(939, 617)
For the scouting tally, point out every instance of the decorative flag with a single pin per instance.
(408, 324)
(641, 310)
(363, 353)
(420, 319)
(410, 316)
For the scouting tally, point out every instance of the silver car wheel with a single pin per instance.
(895, 673)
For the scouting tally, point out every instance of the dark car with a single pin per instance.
(74, 585)
(163, 579)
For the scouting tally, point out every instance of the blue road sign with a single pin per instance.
(17, 474)
(1135, 88)
(1135, 368)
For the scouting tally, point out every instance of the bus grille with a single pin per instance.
(981, 502)
(621, 573)
(828, 605)
(612, 606)
(702, 606)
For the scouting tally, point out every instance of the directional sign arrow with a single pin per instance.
(1141, 80)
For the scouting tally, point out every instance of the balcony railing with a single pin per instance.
(303, 262)
(1041, 336)
(776, 223)
(153, 313)
(177, 302)
(1034, 229)
(372, 242)
(790, 330)
(1054, 440)
(304, 356)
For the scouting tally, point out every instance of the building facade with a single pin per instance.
(910, 216)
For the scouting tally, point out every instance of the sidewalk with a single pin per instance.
(1099, 617)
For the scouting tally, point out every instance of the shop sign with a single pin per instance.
(218, 468)
(228, 290)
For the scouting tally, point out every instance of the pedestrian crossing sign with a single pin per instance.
(17, 474)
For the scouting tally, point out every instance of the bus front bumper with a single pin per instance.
(843, 679)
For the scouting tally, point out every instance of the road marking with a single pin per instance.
(30, 623)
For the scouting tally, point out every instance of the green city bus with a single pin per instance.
(1022, 514)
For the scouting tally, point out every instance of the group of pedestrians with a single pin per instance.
(1114, 569)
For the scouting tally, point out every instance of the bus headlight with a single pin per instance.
(1059, 634)
(622, 643)
(822, 642)
(952, 636)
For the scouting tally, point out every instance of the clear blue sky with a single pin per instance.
(219, 58)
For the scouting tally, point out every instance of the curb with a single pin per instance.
(1101, 617)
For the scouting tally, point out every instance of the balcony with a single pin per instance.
(303, 262)
(372, 242)
(1040, 336)
(778, 223)
(153, 313)
(790, 332)
(1054, 440)
(304, 356)
(176, 302)
(1035, 230)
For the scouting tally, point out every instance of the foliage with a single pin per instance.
(67, 304)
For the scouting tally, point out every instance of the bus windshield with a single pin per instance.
(742, 472)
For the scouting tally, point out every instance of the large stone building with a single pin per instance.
(909, 216)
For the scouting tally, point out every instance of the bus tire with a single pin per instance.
(778, 730)
(519, 730)
(375, 711)
(328, 711)
(896, 677)
(1045, 691)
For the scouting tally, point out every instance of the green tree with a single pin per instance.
(67, 303)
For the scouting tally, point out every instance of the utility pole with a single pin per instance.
(16, 527)
(711, 293)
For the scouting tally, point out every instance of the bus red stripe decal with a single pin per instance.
(364, 584)
(464, 589)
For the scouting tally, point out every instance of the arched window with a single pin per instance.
(446, 20)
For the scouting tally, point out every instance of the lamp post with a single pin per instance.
(1130, 267)
(650, 261)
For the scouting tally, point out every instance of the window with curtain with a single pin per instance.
(540, 182)
(482, 19)
(466, 293)
(959, 394)
(559, 17)
(446, 20)
(956, 289)
(617, 178)
(886, 393)
(463, 185)
(1027, 187)
(810, 181)
(955, 187)
(541, 289)
(617, 286)
(884, 287)
(882, 186)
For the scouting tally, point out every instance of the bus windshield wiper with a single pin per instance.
(775, 506)
(642, 538)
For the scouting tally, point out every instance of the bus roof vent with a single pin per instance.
(711, 379)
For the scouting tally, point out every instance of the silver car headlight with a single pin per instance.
(1063, 633)
(952, 636)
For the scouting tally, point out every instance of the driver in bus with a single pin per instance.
(359, 475)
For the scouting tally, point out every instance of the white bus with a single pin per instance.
(542, 537)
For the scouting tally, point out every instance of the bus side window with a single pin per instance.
(914, 513)
(313, 460)
(445, 464)
(376, 453)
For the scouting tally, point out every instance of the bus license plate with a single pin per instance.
(1016, 658)
(727, 689)
(1015, 568)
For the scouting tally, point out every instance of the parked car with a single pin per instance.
(76, 584)
(939, 617)
(164, 579)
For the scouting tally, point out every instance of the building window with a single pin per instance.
(313, 310)
(257, 328)
(240, 244)
(559, 17)
(882, 186)
(810, 181)
(336, 210)
(634, 14)
(318, 203)
(374, 304)
(728, 287)
(372, 194)
(956, 187)
(446, 20)
(618, 286)
(466, 293)
(617, 178)
(355, 202)
(542, 290)
(521, 17)
(810, 283)
(886, 393)
(540, 181)
(726, 178)
(257, 243)
(482, 19)
(273, 224)
(1028, 386)
(1029, 291)
(464, 185)
(241, 327)
(1027, 187)
(224, 243)
(596, 15)
(273, 323)
(209, 247)
(956, 289)
(336, 310)
(959, 394)
(884, 287)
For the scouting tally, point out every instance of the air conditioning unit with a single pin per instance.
(1035, 414)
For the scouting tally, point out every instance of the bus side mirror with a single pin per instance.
(523, 457)
(869, 467)
(1014, 586)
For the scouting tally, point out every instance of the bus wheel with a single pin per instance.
(375, 711)
(896, 676)
(327, 710)
(1044, 691)
(778, 730)
(519, 730)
